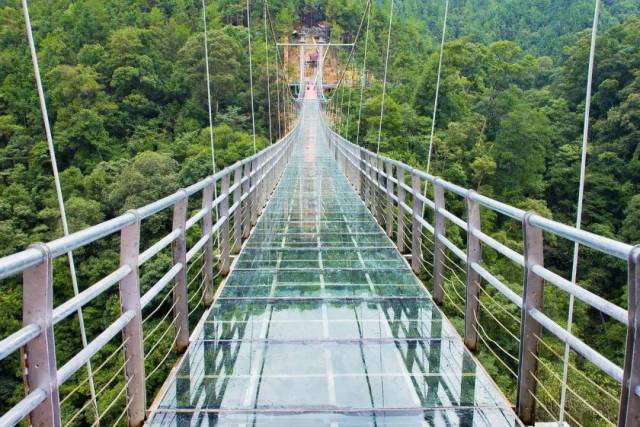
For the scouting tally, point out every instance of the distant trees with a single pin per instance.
(126, 89)
(125, 82)
(509, 124)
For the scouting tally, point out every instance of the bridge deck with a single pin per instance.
(322, 323)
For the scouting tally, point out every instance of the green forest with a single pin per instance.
(126, 89)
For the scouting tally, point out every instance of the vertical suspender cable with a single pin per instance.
(285, 103)
(349, 107)
(435, 100)
(266, 54)
(253, 116)
(384, 82)
(58, 186)
(340, 117)
(285, 89)
(583, 168)
(278, 71)
(346, 67)
(206, 61)
(363, 77)
(278, 96)
(338, 107)
(278, 88)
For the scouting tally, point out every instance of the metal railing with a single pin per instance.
(237, 208)
(386, 185)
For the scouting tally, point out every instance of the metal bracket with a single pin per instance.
(530, 329)
(40, 355)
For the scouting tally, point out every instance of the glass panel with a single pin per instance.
(485, 417)
(322, 323)
(326, 320)
(313, 375)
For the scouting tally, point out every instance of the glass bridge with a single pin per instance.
(322, 323)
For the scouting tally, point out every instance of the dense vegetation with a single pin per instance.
(127, 96)
(509, 124)
(126, 89)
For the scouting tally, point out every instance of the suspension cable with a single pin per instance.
(206, 62)
(266, 54)
(285, 90)
(351, 54)
(349, 104)
(363, 77)
(253, 116)
(435, 100)
(278, 88)
(340, 117)
(384, 82)
(58, 187)
(355, 42)
(583, 167)
(278, 97)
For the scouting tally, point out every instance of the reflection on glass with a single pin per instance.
(322, 323)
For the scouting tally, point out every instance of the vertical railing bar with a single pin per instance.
(389, 219)
(439, 225)
(132, 334)
(401, 200)
(629, 411)
(253, 196)
(473, 282)
(416, 227)
(40, 353)
(180, 292)
(207, 224)
(237, 214)
(224, 228)
(378, 188)
(246, 221)
(363, 175)
(530, 329)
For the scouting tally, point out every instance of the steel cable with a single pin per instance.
(583, 167)
(157, 343)
(58, 188)
(165, 356)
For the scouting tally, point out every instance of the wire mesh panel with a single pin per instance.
(322, 322)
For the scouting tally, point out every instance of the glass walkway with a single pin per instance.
(322, 323)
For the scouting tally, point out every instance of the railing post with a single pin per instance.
(366, 176)
(439, 228)
(366, 185)
(362, 188)
(416, 227)
(246, 191)
(207, 250)
(381, 187)
(273, 173)
(254, 191)
(40, 353)
(132, 334)
(353, 170)
(389, 220)
(530, 329)
(237, 217)
(263, 165)
(401, 198)
(629, 414)
(224, 228)
(180, 294)
(474, 255)
(373, 186)
(377, 162)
